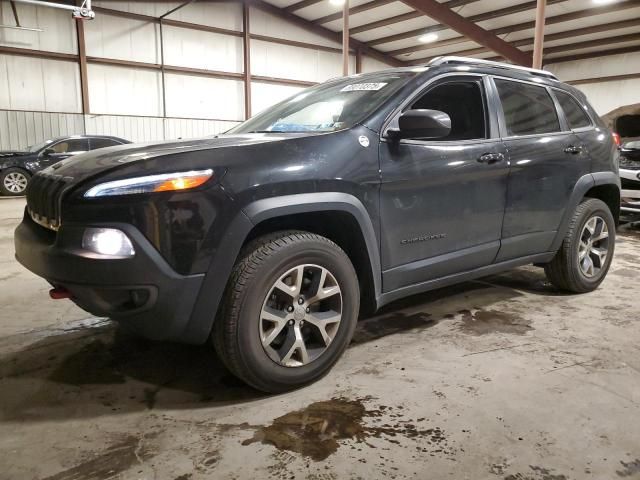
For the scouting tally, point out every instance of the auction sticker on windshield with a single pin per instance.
(359, 87)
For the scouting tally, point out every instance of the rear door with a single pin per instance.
(546, 160)
(442, 200)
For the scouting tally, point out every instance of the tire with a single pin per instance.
(567, 271)
(243, 331)
(14, 181)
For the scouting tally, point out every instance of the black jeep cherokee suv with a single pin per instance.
(269, 239)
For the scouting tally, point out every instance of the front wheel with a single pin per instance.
(587, 250)
(289, 312)
(14, 181)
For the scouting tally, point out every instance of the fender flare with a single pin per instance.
(217, 275)
(582, 186)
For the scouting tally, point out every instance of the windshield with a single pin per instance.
(327, 107)
(38, 146)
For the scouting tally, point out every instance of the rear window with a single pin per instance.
(528, 109)
(575, 113)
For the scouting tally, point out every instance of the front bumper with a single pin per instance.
(142, 292)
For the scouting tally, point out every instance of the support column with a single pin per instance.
(538, 43)
(82, 62)
(246, 44)
(345, 38)
(358, 60)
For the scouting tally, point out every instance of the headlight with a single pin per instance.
(165, 182)
(107, 241)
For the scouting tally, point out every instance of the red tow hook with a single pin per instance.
(59, 293)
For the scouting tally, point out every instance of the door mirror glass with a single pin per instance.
(422, 123)
(48, 152)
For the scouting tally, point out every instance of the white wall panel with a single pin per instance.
(285, 61)
(264, 95)
(58, 35)
(604, 96)
(122, 38)
(215, 14)
(203, 97)
(197, 49)
(37, 84)
(125, 91)
(372, 65)
(143, 7)
(20, 129)
(136, 129)
(264, 24)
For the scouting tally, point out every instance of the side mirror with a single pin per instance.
(423, 124)
(48, 152)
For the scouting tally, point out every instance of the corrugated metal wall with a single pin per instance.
(127, 101)
(19, 129)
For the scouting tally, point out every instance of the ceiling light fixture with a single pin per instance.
(603, 2)
(428, 38)
(337, 3)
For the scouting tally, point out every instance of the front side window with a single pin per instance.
(74, 145)
(528, 109)
(464, 103)
(576, 116)
(329, 106)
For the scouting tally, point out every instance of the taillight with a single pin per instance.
(616, 138)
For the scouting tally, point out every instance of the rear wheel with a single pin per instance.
(14, 181)
(585, 256)
(289, 311)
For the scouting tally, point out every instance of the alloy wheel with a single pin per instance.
(15, 182)
(594, 246)
(301, 315)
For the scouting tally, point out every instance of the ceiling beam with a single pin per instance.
(632, 37)
(300, 5)
(352, 11)
(590, 55)
(324, 32)
(405, 16)
(605, 27)
(444, 15)
(521, 7)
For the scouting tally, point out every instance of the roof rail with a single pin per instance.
(450, 59)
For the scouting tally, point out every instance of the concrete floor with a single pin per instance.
(504, 378)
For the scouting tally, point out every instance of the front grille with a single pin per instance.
(43, 198)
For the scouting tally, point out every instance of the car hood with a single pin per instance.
(105, 160)
(12, 153)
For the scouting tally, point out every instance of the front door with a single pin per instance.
(442, 201)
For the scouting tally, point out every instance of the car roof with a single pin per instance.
(110, 137)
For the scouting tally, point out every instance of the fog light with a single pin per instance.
(107, 241)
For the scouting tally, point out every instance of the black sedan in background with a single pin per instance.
(17, 167)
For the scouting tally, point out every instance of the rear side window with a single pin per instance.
(528, 110)
(576, 116)
(102, 143)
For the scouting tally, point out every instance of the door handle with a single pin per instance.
(573, 150)
(491, 158)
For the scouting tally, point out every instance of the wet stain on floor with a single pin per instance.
(537, 473)
(629, 469)
(316, 430)
(116, 459)
(483, 322)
